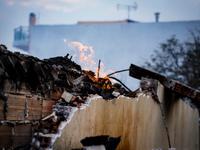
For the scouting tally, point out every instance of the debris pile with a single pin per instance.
(180, 88)
(42, 94)
(39, 97)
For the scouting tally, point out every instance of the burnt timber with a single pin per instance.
(184, 90)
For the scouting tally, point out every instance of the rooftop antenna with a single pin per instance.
(128, 7)
(157, 14)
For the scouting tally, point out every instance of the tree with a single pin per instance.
(179, 60)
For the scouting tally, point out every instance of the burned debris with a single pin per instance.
(21, 72)
(38, 95)
(182, 89)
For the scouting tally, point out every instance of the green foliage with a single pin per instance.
(179, 60)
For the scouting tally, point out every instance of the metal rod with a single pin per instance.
(117, 72)
(121, 83)
(98, 69)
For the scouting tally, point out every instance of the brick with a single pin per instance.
(47, 107)
(16, 104)
(35, 108)
(2, 103)
(22, 135)
(56, 95)
(5, 135)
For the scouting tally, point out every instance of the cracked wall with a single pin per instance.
(138, 121)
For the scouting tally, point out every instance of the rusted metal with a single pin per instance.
(175, 86)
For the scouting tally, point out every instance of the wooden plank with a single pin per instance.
(2, 104)
(47, 107)
(22, 135)
(35, 108)
(5, 136)
(139, 72)
(16, 104)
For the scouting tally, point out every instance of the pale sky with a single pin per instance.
(15, 13)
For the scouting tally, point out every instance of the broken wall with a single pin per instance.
(138, 121)
(29, 87)
(19, 118)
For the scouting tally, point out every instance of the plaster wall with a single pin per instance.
(139, 122)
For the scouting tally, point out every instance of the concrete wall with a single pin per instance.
(139, 122)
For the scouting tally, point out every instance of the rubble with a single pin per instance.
(182, 89)
(41, 96)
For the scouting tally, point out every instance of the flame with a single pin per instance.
(86, 60)
(108, 87)
(103, 73)
(85, 56)
(106, 77)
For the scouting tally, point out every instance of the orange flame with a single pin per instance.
(87, 60)
(108, 86)
(103, 73)
(85, 56)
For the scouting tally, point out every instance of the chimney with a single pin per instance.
(32, 19)
(157, 16)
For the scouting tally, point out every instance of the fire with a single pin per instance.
(108, 87)
(85, 55)
(103, 73)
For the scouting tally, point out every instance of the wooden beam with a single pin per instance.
(184, 90)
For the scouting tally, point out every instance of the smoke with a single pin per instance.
(84, 54)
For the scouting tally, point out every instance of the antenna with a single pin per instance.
(128, 7)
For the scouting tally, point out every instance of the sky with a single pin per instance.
(15, 13)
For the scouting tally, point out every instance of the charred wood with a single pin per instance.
(38, 75)
(184, 90)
